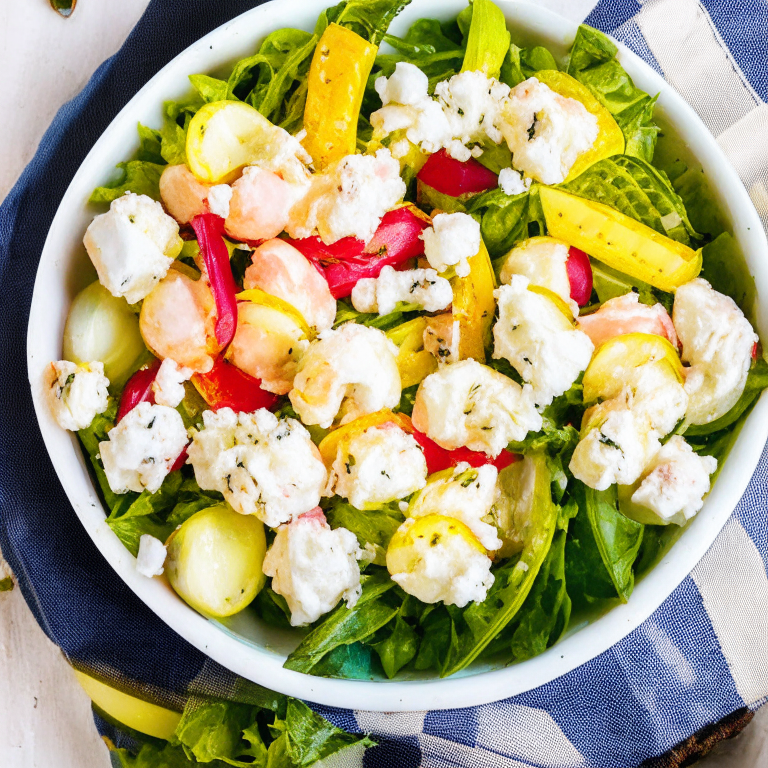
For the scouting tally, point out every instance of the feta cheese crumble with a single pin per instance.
(717, 343)
(142, 448)
(538, 340)
(132, 245)
(543, 261)
(451, 568)
(168, 385)
(347, 372)
(464, 493)
(376, 466)
(412, 286)
(441, 338)
(75, 393)
(406, 85)
(546, 132)
(469, 404)
(314, 567)
(349, 199)
(513, 182)
(263, 466)
(675, 482)
(218, 200)
(452, 239)
(151, 557)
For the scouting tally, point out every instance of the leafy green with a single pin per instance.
(488, 39)
(724, 267)
(504, 219)
(344, 626)
(593, 62)
(154, 755)
(173, 135)
(757, 381)
(521, 63)
(399, 647)
(475, 626)
(407, 400)
(636, 189)
(374, 526)
(138, 176)
(609, 284)
(189, 500)
(370, 18)
(602, 546)
(403, 312)
(210, 88)
(272, 608)
(436, 637)
(90, 438)
(150, 142)
(356, 661)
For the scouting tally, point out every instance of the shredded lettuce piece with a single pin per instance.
(488, 39)
(138, 176)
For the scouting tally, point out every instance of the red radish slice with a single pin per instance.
(138, 389)
(452, 177)
(579, 275)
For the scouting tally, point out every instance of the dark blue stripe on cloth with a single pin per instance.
(743, 25)
(395, 753)
(610, 14)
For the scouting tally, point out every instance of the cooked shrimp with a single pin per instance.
(281, 270)
(183, 196)
(260, 204)
(625, 314)
(441, 337)
(178, 319)
(268, 344)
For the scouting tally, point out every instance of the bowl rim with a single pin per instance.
(259, 664)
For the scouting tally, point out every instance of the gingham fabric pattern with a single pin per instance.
(700, 657)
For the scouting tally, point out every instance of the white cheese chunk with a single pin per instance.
(151, 557)
(218, 199)
(441, 338)
(675, 482)
(168, 385)
(263, 466)
(313, 567)
(406, 85)
(75, 393)
(513, 182)
(717, 343)
(543, 261)
(376, 466)
(132, 245)
(349, 199)
(538, 340)
(142, 448)
(450, 568)
(347, 372)
(464, 493)
(452, 239)
(411, 286)
(469, 404)
(546, 132)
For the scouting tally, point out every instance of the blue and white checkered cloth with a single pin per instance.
(702, 655)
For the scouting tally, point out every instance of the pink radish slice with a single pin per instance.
(579, 275)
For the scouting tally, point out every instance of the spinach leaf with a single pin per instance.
(138, 176)
(488, 39)
(757, 381)
(638, 190)
(602, 546)
(593, 62)
(521, 63)
(724, 267)
(344, 626)
(272, 608)
(398, 648)
(475, 626)
(504, 219)
(356, 661)
(436, 637)
(407, 400)
(371, 526)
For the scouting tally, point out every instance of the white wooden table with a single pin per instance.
(45, 717)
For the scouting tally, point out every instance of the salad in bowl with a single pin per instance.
(412, 344)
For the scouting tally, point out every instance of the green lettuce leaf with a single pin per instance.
(210, 88)
(356, 661)
(155, 755)
(138, 176)
(344, 626)
(370, 18)
(403, 312)
(150, 142)
(398, 647)
(723, 265)
(503, 219)
(522, 63)
(272, 608)
(371, 526)
(593, 62)
(488, 39)
(602, 546)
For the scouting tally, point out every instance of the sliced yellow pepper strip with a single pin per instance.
(610, 139)
(336, 83)
(473, 306)
(619, 241)
(413, 361)
(140, 715)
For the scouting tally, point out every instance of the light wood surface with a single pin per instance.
(45, 717)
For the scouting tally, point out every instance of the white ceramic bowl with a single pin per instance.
(255, 651)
